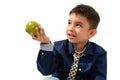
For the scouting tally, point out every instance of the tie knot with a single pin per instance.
(78, 56)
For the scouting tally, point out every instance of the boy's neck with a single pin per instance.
(79, 46)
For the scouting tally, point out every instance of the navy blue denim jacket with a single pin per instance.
(93, 66)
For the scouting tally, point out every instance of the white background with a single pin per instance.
(18, 52)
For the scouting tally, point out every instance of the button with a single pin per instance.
(42, 53)
(80, 69)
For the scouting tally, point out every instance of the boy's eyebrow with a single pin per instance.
(69, 20)
(79, 22)
(76, 21)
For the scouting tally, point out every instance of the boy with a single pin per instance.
(57, 59)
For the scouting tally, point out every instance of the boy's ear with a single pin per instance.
(92, 33)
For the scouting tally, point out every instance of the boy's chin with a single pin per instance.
(72, 41)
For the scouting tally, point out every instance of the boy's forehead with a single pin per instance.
(77, 17)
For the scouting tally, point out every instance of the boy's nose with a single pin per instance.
(71, 27)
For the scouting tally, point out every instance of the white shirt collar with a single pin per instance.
(79, 52)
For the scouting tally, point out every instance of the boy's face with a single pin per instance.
(78, 29)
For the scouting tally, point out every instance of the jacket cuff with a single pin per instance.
(46, 47)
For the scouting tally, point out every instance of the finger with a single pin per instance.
(42, 32)
(38, 31)
(33, 36)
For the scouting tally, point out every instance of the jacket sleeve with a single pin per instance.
(45, 62)
(99, 69)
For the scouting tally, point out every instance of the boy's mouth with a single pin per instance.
(71, 35)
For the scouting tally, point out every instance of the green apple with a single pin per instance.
(30, 27)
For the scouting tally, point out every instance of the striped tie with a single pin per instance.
(74, 66)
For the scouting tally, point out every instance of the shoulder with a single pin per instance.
(63, 46)
(61, 43)
(96, 48)
(65, 41)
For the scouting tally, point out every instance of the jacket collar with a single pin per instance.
(70, 48)
(88, 50)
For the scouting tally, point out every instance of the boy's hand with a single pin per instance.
(41, 36)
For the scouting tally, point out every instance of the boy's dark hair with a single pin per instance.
(87, 11)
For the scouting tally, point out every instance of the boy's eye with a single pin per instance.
(78, 25)
(69, 22)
